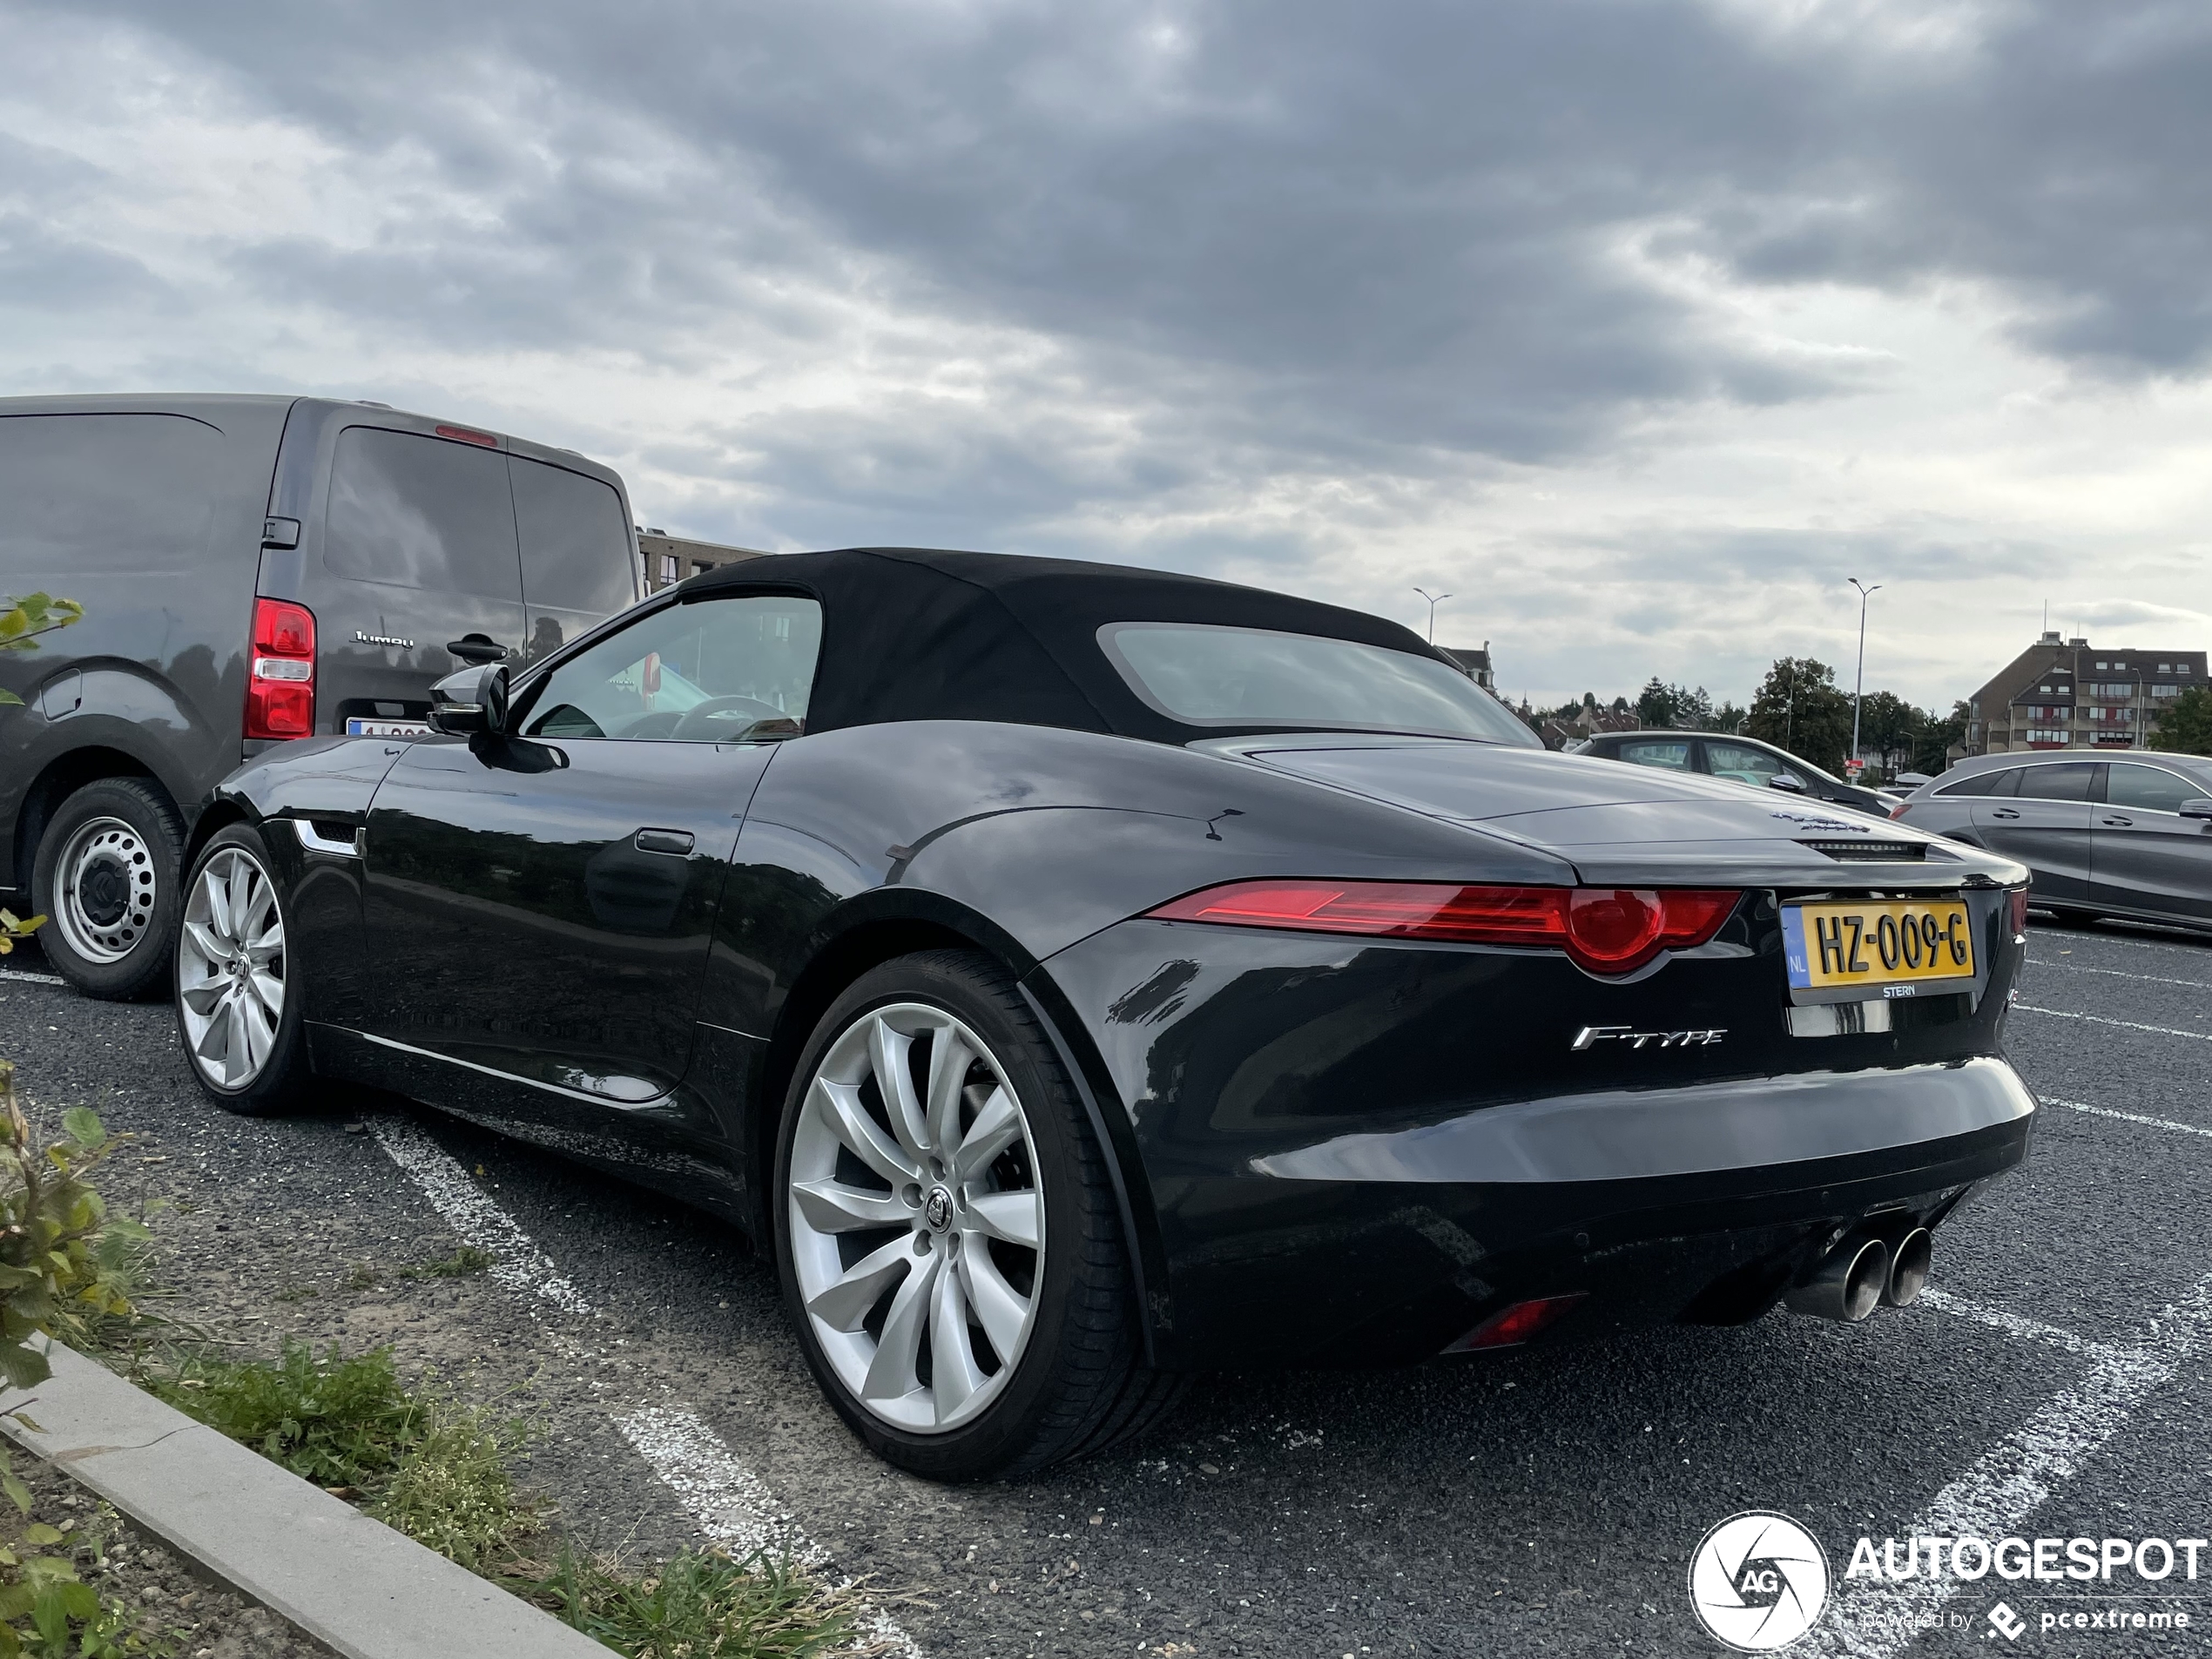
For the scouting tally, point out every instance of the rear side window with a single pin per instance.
(420, 513)
(2067, 782)
(575, 542)
(2151, 789)
(1670, 756)
(107, 493)
(1983, 783)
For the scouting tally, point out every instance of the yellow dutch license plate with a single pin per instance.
(1876, 943)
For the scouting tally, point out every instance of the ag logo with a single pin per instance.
(1757, 1581)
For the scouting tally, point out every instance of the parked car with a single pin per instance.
(252, 569)
(1743, 760)
(2103, 836)
(1075, 977)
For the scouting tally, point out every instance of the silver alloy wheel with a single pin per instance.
(230, 968)
(106, 883)
(917, 1219)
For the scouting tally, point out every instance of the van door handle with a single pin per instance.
(477, 650)
(2004, 812)
(659, 840)
(2122, 822)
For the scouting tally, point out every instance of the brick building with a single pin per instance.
(2065, 693)
(669, 559)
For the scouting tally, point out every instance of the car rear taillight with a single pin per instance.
(1514, 1326)
(2016, 910)
(280, 681)
(1607, 930)
(1898, 811)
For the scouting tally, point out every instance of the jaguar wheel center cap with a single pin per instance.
(937, 1208)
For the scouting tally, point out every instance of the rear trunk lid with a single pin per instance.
(1624, 825)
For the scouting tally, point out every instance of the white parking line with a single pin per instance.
(2014, 1479)
(34, 979)
(2126, 1117)
(2197, 951)
(516, 1262)
(2099, 1019)
(2013, 1324)
(726, 1499)
(730, 1504)
(2113, 972)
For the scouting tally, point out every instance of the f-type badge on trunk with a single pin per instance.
(1590, 1035)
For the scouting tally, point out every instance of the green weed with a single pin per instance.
(338, 1422)
(464, 1261)
(452, 1492)
(702, 1604)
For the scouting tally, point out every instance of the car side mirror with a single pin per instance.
(472, 701)
(2198, 808)
(1788, 782)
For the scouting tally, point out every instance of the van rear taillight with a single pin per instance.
(280, 681)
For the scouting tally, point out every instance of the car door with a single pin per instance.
(418, 552)
(2143, 855)
(539, 905)
(2040, 814)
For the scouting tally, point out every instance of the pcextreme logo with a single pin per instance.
(1758, 1581)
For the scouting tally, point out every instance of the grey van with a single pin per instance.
(252, 569)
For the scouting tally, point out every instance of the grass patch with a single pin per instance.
(437, 1470)
(335, 1421)
(464, 1262)
(703, 1604)
(453, 1491)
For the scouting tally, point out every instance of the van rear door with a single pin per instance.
(579, 564)
(420, 537)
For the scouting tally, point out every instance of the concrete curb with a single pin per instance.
(351, 1582)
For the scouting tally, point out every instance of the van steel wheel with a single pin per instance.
(105, 885)
(230, 969)
(917, 1220)
(106, 872)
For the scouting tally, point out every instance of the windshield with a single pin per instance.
(1202, 674)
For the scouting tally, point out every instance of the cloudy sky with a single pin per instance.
(1638, 327)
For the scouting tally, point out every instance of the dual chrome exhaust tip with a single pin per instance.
(1865, 1271)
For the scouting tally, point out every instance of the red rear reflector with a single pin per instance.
(461, 434)
(280, 680)
(1514, 1326)
(1607, 930)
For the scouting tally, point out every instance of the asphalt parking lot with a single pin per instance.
(1542, 1502)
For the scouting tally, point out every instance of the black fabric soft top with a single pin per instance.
(920, 634)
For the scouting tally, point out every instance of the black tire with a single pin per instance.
(283, 1082)
(1079, 1384)
(111, 929)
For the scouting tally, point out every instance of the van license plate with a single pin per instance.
(357, 727)
(1878, 943)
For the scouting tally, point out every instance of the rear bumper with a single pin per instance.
(1352, 1154)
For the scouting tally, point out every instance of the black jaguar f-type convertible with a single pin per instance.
(1075, 977)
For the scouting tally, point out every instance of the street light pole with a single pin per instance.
(1435, 600)
(1858, 687)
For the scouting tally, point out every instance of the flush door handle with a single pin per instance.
(2004, 812)
(2122, 822)
(663, 840)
